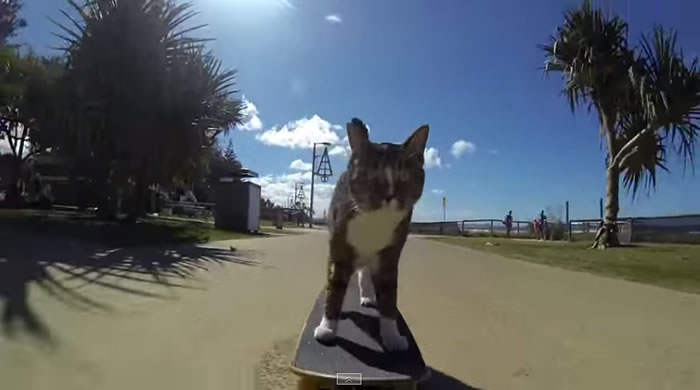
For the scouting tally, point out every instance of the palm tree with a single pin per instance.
(20, 78)
(10, 22)
(150, 98)
(646, 99)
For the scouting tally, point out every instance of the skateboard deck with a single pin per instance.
(357, 354)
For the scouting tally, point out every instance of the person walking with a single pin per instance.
(543, 225)
(508, 221)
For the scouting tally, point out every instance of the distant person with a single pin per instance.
(508, 221)
(543, 224)
(538, 228)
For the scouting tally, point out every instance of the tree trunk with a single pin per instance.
(14, 194)
(606, 237)
(607, 233)
(138, 197)
(107, 203)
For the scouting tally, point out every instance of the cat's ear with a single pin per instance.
(415, 144)
(358, 136)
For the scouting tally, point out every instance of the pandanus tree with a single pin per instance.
(647, 99)
(149, 98)
(23, 79)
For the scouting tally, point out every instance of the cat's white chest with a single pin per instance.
(373, 231)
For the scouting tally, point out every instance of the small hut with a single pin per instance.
(237, 202)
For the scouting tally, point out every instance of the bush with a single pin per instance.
(556, 230)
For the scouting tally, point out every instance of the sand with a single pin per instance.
(482, 322)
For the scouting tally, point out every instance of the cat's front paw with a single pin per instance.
(325, 332)
(395, 343)
(368, 302)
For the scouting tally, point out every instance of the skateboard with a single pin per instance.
(356, 359)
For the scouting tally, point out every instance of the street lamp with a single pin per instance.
(324, 170)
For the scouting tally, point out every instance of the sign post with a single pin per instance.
(444, 207)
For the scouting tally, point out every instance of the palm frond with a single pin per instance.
(590, 51)
(669, 91)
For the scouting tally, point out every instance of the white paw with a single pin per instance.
(324, 334)
(325, 331)
(395, 343)
(367, 302)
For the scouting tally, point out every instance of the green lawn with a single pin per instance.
(666, 265)
(146, 231)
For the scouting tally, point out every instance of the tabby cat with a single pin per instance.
(368, 224)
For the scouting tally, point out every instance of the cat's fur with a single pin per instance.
(368, 223)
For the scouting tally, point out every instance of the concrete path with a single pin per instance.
(481, 320)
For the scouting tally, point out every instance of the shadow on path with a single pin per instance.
(441, 381)
(62, 267)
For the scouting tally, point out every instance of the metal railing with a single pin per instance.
(198, 210)
(495, 227)
(473, 227)
(669, 229)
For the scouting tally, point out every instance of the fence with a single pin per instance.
(664, 229)
(670, 229)
(586, 229)
(472, 227)
(200, 210)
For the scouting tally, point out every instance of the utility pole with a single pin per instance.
(324, 170)
(444, 208)
(299, 196)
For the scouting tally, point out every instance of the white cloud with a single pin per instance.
(432, 158)
(300, 165)
(301, 134)
(437, 191)
(461, 147)
(333, 18)
(251, 120)
(278, 188)
(342, 149)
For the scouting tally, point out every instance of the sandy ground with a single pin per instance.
(482, 322)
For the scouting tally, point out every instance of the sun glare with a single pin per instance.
(261, 3)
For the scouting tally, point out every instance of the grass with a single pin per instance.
(265, 227)
(146, 231)
(672, 266)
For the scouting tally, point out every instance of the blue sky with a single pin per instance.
(469, 69)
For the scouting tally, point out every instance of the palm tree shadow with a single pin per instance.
(63, 269)
(409, 363)
(17, 312)
(402, 363)
(440, 381)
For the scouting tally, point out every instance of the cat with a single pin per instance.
(368, 224)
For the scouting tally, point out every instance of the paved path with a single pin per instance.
(482, 320)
